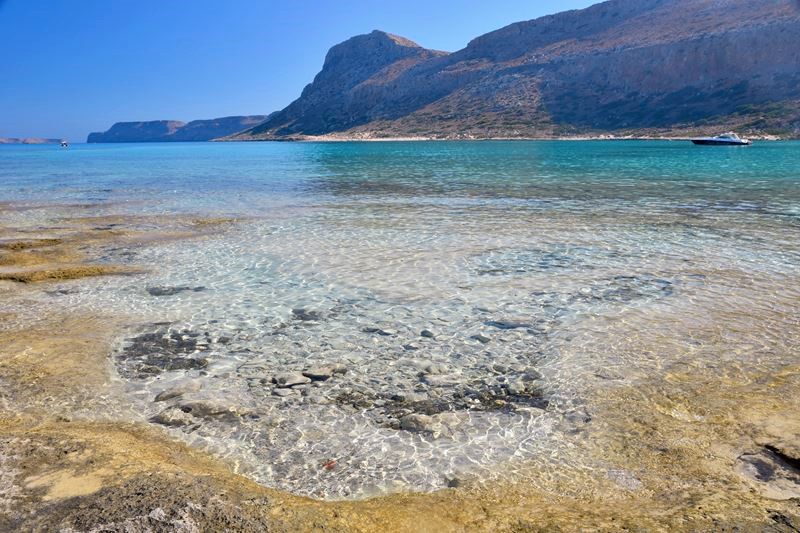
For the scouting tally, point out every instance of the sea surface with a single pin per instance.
(470, 300)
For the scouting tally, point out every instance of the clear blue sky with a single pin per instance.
(74, 66)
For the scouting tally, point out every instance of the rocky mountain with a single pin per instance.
(28, 140)
(622, 66)
(173, 130)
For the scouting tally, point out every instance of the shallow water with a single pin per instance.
(533, 267)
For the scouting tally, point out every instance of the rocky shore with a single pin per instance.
(691, 449)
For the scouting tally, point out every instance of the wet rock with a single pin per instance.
(208, 409)
(173, 417)
(324, 372)
(411, 347)
(178, 390)
(508, 324)
(516, 387)
(380, 331)
(290, 379)
(283, 393)
(305, 315)
(428, 334)
(441, 381)
(417, 423)
(483, 339)
(158, 351)
(171, 291)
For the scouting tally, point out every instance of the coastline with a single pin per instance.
(66, 465)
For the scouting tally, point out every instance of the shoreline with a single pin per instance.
(66, 471)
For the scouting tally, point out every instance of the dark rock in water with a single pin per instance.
(483, 339)
(380, 331)
(452, 482)
(507, 324)
(171, 291)
(324, 372)
(305, 315)
(290, 379)
(159, 351)
(410, 347)
(428, 334)
(178, 390)
(209, 409)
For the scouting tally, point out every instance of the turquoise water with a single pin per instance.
(543, 273)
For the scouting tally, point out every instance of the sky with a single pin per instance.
(68, 67)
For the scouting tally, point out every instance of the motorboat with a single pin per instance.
(64, 144)
(726, 139)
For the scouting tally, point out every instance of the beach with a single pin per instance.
(502, 336)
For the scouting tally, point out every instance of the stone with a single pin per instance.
(290, 379)
(508, 324)
(208, 409)
(380, 331)
(441, 381)
(417, 423)
(411, 347)
(178, 390)
(319, 373)
(516, 387)
(305, 315)
(428, 334)
(171, 291)
(434, 368)
(483, 339)
(173, 417)
(284, 392)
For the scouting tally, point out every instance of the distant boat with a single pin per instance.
(64, 144)
(726, 139)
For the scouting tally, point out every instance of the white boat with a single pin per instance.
(726, 139)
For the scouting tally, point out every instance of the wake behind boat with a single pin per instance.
(726, 139)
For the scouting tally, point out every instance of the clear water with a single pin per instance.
(535, 265)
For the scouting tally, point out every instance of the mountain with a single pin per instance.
(173, 130)
(28, 140)
(622, 66)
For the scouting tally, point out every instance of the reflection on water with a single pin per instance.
(410, 316)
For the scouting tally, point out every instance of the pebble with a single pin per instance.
(290, 379)
(411, 347)
(380, 331)
(481, 338)
(283, 392)
(428, 334)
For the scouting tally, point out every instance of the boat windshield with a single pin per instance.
(729, 136)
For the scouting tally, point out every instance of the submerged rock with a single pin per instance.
(171, 291)
(324, 372)
(178, 390)
(305, 315)
(290, 379)
(173, 417)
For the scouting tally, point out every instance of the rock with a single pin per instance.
(305, 315)
(178, 390)
(284, 392)
(508, 324)
(417, 423)
(516, 387)
(290, 379)
(318, 373)
(171, 291)
(207, 408)
(380, 331)
(428, 334)
(173, 417)
(483, 339)
(411, 347)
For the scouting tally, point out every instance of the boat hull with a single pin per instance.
(716, 142)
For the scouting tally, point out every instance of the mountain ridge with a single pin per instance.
(175, 130)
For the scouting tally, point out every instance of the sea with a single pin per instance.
(458, 308)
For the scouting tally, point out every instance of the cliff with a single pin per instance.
(619, 66)
(174, 131)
